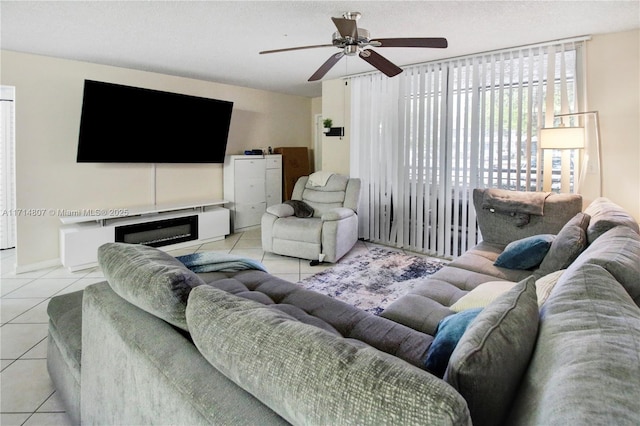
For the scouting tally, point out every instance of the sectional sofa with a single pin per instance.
(559, 344)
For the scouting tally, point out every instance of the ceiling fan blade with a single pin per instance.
(346, 27)
(324, 68)
(295, 48)
(437, 42)
(380, 62)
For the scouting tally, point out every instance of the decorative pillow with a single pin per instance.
(482, 295)
(526, 253)
(449, 331)
(545, 284)
(300, 208)
(567, 246)
(149, 278)
(487, 365)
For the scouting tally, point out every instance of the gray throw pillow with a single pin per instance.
(149, 279)
(493, 354)
(567, 246)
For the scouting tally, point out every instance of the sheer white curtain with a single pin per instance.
(421, 141)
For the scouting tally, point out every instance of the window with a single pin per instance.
(423, 140)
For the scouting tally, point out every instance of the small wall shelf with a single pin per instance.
(335, 131)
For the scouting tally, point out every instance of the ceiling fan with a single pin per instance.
(355, 41)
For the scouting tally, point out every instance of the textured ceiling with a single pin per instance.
(219, 40)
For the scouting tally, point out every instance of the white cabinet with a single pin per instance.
(251, 184)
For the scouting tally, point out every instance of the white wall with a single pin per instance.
(613, 89)
(48, 104)
(336, 106)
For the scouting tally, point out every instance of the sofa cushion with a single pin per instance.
(450, 330)
(487, 364)
(567, 246)
(481, 259)
(525, 253)
(298, 229)
(482, 295)
(584, 370)
(605, 215)
(617, 251)
(310, 376)
(149, 278)
(545, 284)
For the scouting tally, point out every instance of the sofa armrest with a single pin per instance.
(338, 213)
(280, 210)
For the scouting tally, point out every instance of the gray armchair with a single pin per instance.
(328, 234)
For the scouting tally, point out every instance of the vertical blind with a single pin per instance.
(421, 141)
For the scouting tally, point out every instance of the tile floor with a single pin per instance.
(27, 395)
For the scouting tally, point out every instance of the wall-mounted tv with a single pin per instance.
(123, 124)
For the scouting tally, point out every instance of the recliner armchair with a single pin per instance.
(328, 234)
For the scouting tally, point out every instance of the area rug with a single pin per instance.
(372, 281)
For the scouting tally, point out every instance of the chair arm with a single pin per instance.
(281, 210)
(338, 213)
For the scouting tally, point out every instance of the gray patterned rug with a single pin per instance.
(373, 280)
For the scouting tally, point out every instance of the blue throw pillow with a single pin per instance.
(449, 331)
(526, 253)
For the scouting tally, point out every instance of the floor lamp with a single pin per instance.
(565, 138)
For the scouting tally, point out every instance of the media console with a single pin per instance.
(169, 226)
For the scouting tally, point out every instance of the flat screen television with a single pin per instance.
(124, 124)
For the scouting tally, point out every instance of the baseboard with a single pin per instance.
(30, 267)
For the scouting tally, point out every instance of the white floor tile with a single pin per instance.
(282, 266)
(25, 386)
(39, 351)
(48, 419)
(13, 419)
(7, 285)
(292, 278)
(80, 285)
(251, 253)
(35, 315)
(17, 339)
(43, 287)
(13, 308)
(65, 273)
(223, 245)
(52, 405)
(242, 244)
(252, 234)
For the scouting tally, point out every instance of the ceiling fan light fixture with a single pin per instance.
(351, 49)
(353, 41)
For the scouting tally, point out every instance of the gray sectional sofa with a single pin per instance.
(159, 344)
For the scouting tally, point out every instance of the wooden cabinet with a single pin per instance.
(295, 163)
(251, 184)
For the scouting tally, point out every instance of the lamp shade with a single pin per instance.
(562, 138)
